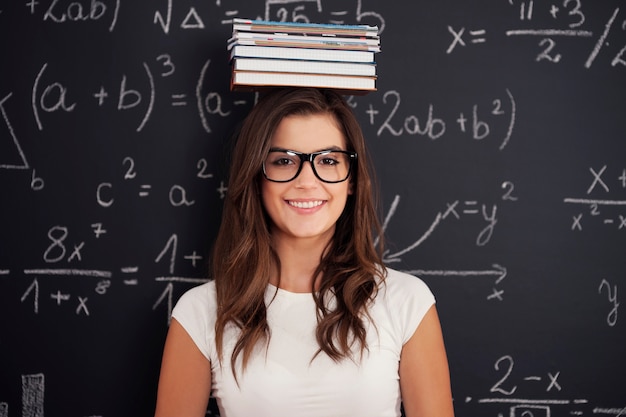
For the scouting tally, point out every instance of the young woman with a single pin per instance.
(301, 318)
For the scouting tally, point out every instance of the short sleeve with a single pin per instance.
(196, 312)
(409, 299)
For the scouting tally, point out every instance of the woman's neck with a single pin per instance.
(299, 259)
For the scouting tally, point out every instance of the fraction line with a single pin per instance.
(549, 32)
(72, 272)
(593, 201)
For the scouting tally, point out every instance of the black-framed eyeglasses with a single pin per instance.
(331, 165)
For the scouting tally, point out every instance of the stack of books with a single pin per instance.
(270, 54)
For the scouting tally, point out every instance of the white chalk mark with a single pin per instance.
(614, 411)
(392, 211)
(34, 95)
(509, 131)
(151, 103)
(498, 271)
(526, 401)
(199, 86)
(426, 235)
(549, 32)
(601, 40)
(593, 201)
(158, 18)
(115, 14)
(70, 272)
(33, 387)
(167, 293)
(33, 287)
(24, 164)
(182, 279)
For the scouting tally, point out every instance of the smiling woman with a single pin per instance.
(301, 317)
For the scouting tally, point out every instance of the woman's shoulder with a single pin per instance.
(199, 300)
(402, 284)
(402, 301)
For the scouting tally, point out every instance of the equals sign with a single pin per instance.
(179, 100)
(229, 13)
(470, 210)
(338, 14)
(130, 270)
(478, 33)
(145, 190)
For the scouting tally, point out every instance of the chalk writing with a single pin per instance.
(177, 195)
(605, 286)
(118, 113)
(569, 17)
(433, 127)
(597, 207)
(76, 11)
(508, 383)
(455, 211)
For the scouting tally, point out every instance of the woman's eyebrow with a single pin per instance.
(329, 148)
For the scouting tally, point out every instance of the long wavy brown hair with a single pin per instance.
(243, 256)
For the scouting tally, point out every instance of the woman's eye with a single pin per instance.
(328, 161)
(284, 161)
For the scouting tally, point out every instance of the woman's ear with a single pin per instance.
(351, 188)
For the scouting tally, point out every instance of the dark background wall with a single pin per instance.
(499, 135)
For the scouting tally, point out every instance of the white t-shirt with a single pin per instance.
(285, 381)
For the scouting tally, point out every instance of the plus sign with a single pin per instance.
(193, 258)
(60, 297)
(32, 4)
(461, 121)
(222, 190)
(101, 95)
(622, 178)
(371, 112)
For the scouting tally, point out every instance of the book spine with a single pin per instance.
(302, 53)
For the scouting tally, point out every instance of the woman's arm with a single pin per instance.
(424, 373)
(185, 380)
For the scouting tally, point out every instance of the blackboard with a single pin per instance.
(498, 132)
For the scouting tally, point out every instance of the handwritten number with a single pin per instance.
(130, 172)
(545, 54)
(496, 387)
(282, 14)
(509, 186)
(168, 65)
(103, 286)
(57, 244)
(203, 166)
(386, 124)
(497, 107)
(575, 12)
(172, 245)
(299, 17)
(361, 14)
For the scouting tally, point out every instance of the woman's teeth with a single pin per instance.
(305, 204)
